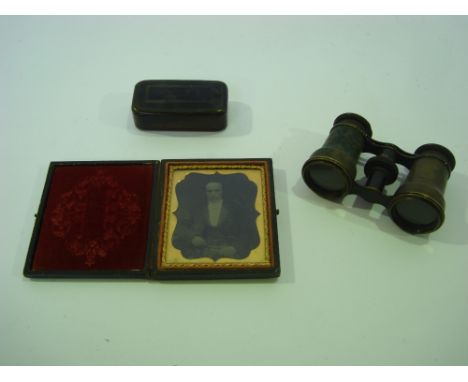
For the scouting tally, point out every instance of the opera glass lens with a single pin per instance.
(330, 171)
(418, 205)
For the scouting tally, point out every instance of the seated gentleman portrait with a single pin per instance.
(215, 227)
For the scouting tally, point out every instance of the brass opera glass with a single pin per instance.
(416, 207)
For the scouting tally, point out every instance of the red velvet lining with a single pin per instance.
(96, 218)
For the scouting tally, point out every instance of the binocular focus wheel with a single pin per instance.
(417, 213)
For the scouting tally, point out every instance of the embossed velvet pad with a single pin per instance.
(96, 218)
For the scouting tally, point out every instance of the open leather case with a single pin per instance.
(169, 219)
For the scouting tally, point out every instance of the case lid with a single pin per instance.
(93, 220)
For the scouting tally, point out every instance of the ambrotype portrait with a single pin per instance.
(216, 214)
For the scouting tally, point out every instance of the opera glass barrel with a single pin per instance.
(330, 171)
(418, 205)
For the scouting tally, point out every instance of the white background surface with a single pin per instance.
(354, 288)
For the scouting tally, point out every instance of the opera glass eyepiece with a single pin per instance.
(416, 207)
